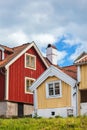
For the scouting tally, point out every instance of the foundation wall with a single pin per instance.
(9, 109)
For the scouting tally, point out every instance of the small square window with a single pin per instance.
(28, 83)
(54, 89)
(30, 61)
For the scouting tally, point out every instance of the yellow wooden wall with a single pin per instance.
(83, 72)
(64, 101)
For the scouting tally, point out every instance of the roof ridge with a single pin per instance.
(21, 45)
(5, 46)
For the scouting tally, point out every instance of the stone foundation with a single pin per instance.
(3, 108)
(9, 109)
(28, 109)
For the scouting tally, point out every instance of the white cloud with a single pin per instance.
(79, 50)
(61, 56)
(43, 40)
(44, 22)
(18, 37)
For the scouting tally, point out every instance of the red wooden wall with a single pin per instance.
(2, 86)
(18, 72)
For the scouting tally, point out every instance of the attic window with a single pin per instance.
(30, 61)
(28, 83)
(54, 89)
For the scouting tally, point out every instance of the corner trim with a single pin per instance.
(7, 84)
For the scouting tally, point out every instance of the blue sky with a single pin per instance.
(59, 22)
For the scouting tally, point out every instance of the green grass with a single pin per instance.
(70, 123)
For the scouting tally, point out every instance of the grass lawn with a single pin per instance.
(70, 123)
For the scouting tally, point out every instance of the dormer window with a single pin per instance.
(30, 61)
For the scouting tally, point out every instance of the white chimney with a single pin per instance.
(51, 54)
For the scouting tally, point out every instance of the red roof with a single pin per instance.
(69, 70)
(15, 51)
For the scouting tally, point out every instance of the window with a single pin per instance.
(54, 89)
(28, 83)
(30, 61)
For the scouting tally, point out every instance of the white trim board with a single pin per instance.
(53, 71)
(7, 85)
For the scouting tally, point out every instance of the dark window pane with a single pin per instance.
(57, 89)
(51, 89)
(27, 61)
(83, 96)
(32, 62)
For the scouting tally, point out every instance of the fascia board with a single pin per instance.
(80, 59)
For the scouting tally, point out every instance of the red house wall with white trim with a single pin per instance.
(17, 74)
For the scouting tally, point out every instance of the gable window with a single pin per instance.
(53, 89)
(30, 61)
(28, 83)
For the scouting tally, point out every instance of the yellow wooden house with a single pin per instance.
(54, 94)
(81, 63)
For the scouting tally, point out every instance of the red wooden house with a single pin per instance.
(19, 68)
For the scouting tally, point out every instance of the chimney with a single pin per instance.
(51, 54)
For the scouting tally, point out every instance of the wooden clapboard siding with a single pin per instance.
(83, 72)
(43, 102)
(17, 74)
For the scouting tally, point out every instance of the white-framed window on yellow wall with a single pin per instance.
(30, 61)
(54, 89)
(28, 83)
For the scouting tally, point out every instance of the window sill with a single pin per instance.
(30, 68)
(58, 96)
(28, 93)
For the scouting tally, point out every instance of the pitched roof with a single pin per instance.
(53, 71)
(15, 51)
(18, 51)
(82, 59)
(69, 70)
(6, 48)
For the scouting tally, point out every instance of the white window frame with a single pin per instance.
(25, 84)
(30, 67)
(47, 89)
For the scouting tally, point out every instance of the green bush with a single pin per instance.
(58, 123)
